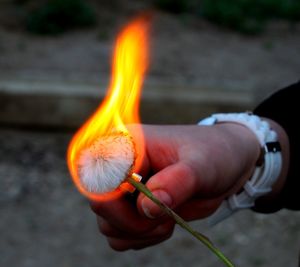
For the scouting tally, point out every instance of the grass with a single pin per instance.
(58, 16)
(246, 16)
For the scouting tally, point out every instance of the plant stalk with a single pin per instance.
(181, 222)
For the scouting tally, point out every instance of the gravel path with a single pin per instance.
(46, 222)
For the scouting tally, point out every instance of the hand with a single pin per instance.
(192, 169)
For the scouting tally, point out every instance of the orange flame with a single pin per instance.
(121, 105)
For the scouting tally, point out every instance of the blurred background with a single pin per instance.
(206, 56)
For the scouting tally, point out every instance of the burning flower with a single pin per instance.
(102, 153)
(102, 156)
(107, 162)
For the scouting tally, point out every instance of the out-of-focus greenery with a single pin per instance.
(174, 6)
(57, 16)
(247, 16)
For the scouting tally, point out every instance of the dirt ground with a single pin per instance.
(46, 222)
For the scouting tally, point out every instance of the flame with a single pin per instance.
(121, 105)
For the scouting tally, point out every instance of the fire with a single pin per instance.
(121, 105)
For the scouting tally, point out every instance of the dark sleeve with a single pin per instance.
(282, 107)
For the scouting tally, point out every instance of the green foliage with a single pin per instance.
(247, 16)
(240, 15)
(57, 16)
(174, 6)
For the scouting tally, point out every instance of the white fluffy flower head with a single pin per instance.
(107, 162)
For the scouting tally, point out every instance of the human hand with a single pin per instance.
(192, 168)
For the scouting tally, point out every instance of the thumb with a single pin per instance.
(172, 186)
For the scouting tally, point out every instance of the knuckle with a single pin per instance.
(138, 230)
(105, 228)
(95, 207)
(117, 244)
(140, 227)
(166, 230)
(194, 175)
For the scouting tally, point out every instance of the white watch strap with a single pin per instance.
(263, 177)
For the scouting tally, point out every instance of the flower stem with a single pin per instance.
(181, 222)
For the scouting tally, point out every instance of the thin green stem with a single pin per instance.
(181, 222)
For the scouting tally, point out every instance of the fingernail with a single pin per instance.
(151, 210)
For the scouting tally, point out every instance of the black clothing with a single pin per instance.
(282, 108)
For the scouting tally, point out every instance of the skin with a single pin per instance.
(192, 169)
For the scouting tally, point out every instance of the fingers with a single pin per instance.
(123, 215)
(121, 241)
(172, 185)
(111, 230)
(126, 229)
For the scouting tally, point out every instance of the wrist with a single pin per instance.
(246, 140)
(245, 152)
(266, 172)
